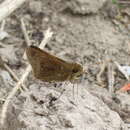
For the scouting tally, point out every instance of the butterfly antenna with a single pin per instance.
(73, 91)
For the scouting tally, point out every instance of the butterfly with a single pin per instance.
(47, 67)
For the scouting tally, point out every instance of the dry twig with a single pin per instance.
(23, 27)
(14, 75)
(24, 30)
(2, 25)
(110, 76)
(102, 69)
(48, 35)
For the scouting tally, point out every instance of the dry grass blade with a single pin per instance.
(8, 6)
(121, 70)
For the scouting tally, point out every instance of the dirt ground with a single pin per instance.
(95, 34)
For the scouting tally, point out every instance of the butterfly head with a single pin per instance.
(77, 72)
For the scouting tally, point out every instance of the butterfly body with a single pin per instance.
(47, 67)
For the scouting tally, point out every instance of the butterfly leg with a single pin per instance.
(77, 90)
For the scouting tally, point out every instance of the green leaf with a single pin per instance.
(114, 1)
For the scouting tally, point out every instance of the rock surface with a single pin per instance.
(37, 109)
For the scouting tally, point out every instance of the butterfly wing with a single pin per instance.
(47, 67)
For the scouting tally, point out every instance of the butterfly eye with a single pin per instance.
(75, 70)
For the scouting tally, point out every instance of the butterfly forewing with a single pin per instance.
(47, 67)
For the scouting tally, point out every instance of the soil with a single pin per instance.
(87, 32)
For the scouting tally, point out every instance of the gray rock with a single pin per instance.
(85, 112)
(85, 6)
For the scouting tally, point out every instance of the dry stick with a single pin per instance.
(8, 6)
(24, 30)
(110, 77)
(48, 35)
(23, 27)
(2, 25)
(110, 72)
(14, 75)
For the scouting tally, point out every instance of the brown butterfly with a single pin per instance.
(47, 67)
